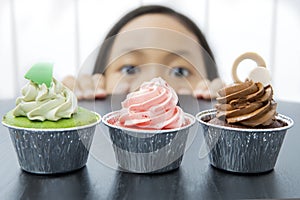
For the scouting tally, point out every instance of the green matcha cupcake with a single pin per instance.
(50, 133)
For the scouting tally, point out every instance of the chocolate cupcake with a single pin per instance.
(244, 133)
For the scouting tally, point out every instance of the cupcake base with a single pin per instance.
(148, 151)
(158, 153)
(244, 153)
(52, 152)
(242, 150)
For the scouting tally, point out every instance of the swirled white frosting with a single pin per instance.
(41, 103)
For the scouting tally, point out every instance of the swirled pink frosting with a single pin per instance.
(153, 106)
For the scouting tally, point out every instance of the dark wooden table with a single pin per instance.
(195, 179)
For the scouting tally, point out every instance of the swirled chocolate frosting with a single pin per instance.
(248, 103)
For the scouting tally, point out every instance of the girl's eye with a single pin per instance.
(129, 69)
(180, 72)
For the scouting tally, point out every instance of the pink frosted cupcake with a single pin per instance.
(149, 133)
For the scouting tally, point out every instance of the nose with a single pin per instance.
(154, 70)
(149, 71)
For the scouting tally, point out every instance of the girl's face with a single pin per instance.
(155, 45)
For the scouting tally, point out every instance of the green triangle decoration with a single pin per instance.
(40, 73)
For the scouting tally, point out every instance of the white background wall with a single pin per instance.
(67, 31)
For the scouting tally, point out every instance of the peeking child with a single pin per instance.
(148, 42)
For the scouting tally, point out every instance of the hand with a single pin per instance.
(207, 89)
(86, 86)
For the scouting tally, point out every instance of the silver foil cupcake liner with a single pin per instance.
(242, 150)
(52, 151)
(148, 151)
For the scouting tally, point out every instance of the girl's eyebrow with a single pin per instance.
(132, 50)
(179, 52)
(168, 53)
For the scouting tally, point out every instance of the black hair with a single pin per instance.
(105, 49)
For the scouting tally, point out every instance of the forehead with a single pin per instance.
(156, 31)
(163, 21)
